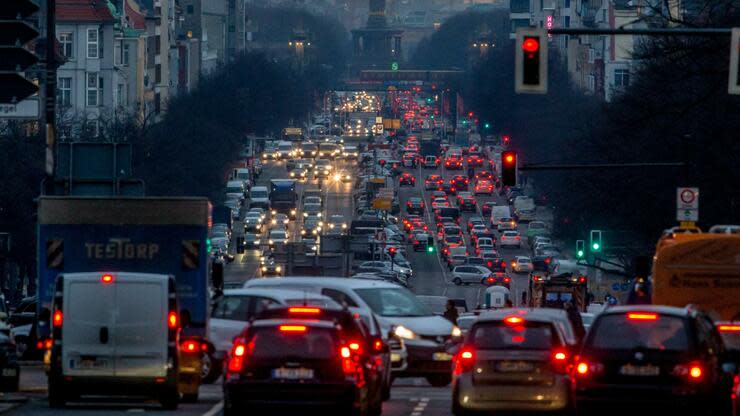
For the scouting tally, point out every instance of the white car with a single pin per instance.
(522, 264)
(511, 239)
(470, 274)
(506, 223)
(277, 237)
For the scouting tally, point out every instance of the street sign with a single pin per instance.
(382, 203)
(687, 204)
(26, 109)
(394, 66)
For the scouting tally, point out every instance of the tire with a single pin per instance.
(457, 281)
(439, 380)
(190, 398)
(57, 395)
(458, 410)
(215, 369)
(385, 393)
(170, 399)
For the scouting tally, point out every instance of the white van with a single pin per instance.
(259, 197)
(114, 334)
(235, 190)
(498, 212)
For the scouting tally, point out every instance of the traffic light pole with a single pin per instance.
(50, 89)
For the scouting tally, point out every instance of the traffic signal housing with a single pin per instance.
(509, 165)
(596, 245)
(733, 86)
(580, 249)
(15, 33)
(531, 61)
(392, 252)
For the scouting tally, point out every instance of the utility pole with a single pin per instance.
(50, 93)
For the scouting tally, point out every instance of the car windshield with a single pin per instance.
(390, 301)
(504, 336)
(272, 343)
(258, 194)
(278, 234)
(641, 330)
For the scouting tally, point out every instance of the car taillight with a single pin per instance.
(237, 357)
(57, 319)
(507, 279)
(464, 362)
(190, 346)
(693, 371)
(303, 310)
(586, 369)
(642, 316)
(172, 320)
(560, 361)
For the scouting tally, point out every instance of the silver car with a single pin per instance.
(513, 360)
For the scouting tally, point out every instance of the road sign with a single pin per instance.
(687, 204)
(382, 203)
(26, 109)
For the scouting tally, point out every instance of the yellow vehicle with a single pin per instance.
(700, 269)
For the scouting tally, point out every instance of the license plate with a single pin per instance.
(9, 372)
(639, 370)
(514, 367)
(395, 357)
(441, 356)
(292, 373)
(89, 364)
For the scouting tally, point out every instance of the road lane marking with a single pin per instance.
(215, 409)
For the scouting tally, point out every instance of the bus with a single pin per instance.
(700, 269)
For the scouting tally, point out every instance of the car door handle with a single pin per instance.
(104, 335)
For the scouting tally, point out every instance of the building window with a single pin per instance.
(93, 89)
(158, 73)
(126, 53)
(93, 44)
(591, 83)
(190, 9)
(66, 42)
(64, 86)
(157, 103)
(121, 95)
(567, 4)
(519, 6)
(591, 55)
(542, 5)
(567, 21)
(622, 77)
(157, 45)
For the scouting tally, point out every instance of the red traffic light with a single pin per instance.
(531, 45)
(506, 139)
(392, 251)
(509, 159)
(470, 114)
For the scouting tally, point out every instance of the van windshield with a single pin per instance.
(259, 194)
(234, 190)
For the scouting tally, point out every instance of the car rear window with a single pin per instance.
(449, 212)
(503, 336)
(640, 331)
(731, 338)
(271, 343)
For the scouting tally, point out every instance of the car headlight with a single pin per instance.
(344, 226)
(405, 333)
(273, 212)
(314, 232)
(292, 212)
(331, 226)
(278, 269)
(337, 177)
(318, 215)
(305, 214)
(269, 241)
(286, 221)
(264, 268)
(456, 332)
(292, 174)
(274, 221)
(256, 242)
(303, 232)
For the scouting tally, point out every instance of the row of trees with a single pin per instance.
(676, 109)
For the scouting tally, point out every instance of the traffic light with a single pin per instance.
(14, 57)
(531, 61)
(487, 125)
(506, 139)
(733, 86)
(580, 249)
(430, 244)
(508, 168)
(392, 252)
(596, 241)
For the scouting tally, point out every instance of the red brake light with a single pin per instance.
(48, 342)
(304, 310)
(106, 278)
(378, 345)
(292, 328)
(692, 371)
(172, 320)
(190, 346)
(507, 279)
(729, 328)
(465, 361)
(582, 369)
(642, 316)
(236, 360)
(57, 319)
(513, 320)
(560, 356)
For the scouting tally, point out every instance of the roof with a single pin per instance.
(315, 281)
(659, 309)
(94, 11)
(135, 16)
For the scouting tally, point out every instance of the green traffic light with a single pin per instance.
(430, 249)
(580, 253)
(596, 246)
(488, 125)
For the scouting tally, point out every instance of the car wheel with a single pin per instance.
(439, 380)
(457, 281)
(211, 369)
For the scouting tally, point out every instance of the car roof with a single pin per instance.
(529, 314)
(325, 281)
(278, 294)
(263, 323)
(659, 309)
